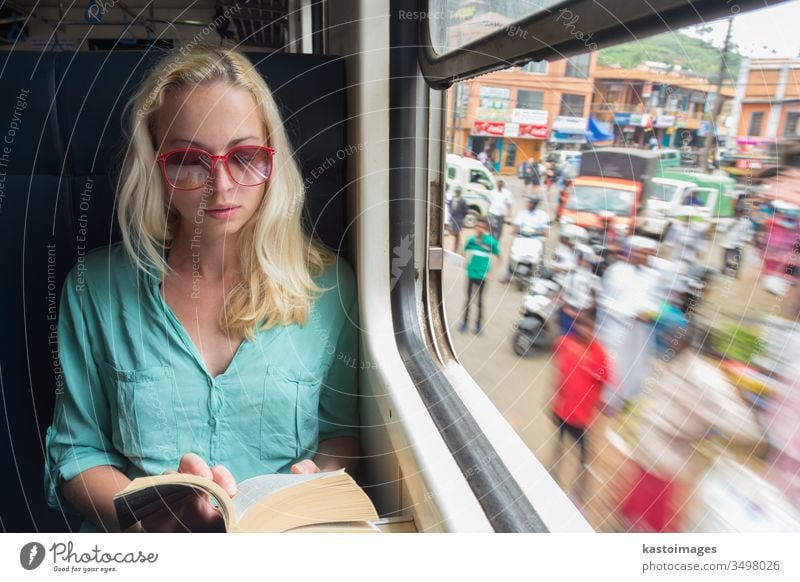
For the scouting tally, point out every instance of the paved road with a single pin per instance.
(521, 388)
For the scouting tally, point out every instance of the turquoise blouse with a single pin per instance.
(136, 393)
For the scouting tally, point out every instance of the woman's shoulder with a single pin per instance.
(103, 268)
(338, 283)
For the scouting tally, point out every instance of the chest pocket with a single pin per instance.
(146, 412)
(289, 414)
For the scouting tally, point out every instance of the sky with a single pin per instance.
(762, 33)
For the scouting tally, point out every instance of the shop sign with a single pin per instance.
(531, 116)
(566, 124)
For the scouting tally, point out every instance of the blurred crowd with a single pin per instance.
(706, 411)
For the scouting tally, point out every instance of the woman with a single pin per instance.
(218, 339)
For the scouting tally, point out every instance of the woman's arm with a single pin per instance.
(92, 492)
(331, 455)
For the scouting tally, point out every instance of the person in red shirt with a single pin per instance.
(582, 366)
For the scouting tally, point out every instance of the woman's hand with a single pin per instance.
(304, 467)
(193, 512)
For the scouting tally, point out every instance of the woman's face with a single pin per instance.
(214, 117)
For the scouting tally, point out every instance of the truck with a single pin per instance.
(477, 185)
(722, 204)
(613, 182)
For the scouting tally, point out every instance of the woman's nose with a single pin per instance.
(221, 180)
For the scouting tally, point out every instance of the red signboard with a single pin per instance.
(535, 131)
(500, 129)
(492, 128)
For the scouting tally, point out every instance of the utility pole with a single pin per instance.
(717, 109)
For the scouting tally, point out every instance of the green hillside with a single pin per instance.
(672, 48)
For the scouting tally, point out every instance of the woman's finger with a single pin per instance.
(224, 478)
(192, 463)
(304, 467)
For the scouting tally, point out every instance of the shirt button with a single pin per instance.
(212, 422)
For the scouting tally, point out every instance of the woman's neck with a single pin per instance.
(212, 258)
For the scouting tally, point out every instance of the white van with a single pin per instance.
(476, 182)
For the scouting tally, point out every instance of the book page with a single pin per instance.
(255, 488)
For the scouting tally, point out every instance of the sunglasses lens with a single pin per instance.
(187, 169)
(250, 165)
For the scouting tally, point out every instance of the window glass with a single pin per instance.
(597, 199)
(536, 67)
(790, 129)
(663, 192)
(641, 116)
(755, 123)
(530, 99)
(578, 66)
(455, 23)
(572, 105)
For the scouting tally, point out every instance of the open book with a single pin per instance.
(317, 502)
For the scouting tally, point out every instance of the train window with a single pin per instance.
(537, 315)
(459, 411)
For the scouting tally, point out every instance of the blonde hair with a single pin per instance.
(278, 260)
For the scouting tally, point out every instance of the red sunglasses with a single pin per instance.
(190, 168)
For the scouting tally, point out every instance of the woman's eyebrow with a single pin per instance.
(202, 146)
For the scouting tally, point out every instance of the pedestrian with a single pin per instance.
(530, 174)
(564, 255)
(582, 366)
(628, 302)
(483, 157)
(533, 220)
(550, 174)
(479, 250)
(500, 208)
(579, 288)
(738, 235)
(686, 236)
(686, 398)
(458, 211)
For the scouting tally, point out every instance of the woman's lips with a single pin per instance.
(222, 213)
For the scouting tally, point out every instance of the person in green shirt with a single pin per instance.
(217, 338)
(478, 251)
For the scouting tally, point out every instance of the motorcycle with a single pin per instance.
(536, 326)
(525, 257)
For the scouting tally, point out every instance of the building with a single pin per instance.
(766, 111)
(769, 99)
(517, 113)
(655, 100)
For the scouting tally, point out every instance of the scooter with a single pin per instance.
(525, 257)
(535, 328)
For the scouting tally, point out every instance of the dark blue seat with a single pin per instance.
(57, 199)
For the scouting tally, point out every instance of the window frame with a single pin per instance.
(535, 38)
(753, 116)
(793, 121)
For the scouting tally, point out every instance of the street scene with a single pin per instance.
(620, 276)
